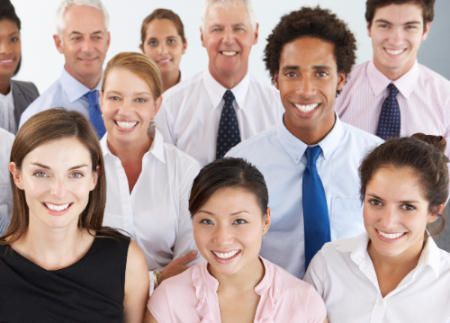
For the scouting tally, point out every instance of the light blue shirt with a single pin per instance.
(66, 93)
(281, 158)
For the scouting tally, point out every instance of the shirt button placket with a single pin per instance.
(378, 311)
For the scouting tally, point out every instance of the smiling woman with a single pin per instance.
(55, 244)
(228, 204)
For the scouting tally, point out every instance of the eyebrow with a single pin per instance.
(47, 167)
(80, 33)
(14, 32)
(136, 93)
(403, 202)
(232, 214)
(315, 67)
(406, 23)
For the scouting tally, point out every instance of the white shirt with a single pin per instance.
(280, 157)
(7, 119)
(190, 113)
(156, 213)
(66, 93)
(343, 274)
(6, 142)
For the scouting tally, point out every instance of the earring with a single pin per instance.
(151, 128)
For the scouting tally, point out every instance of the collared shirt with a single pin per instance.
(7, 119)
(66, 93)
(190, 113)
(344, 275)
(156, 213)
(280, 157)
(192, 297)
(6, 142)
(424, 100)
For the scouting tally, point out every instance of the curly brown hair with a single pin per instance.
(427, 8)
(311, 22)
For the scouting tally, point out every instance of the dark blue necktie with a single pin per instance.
(228, 135)
(95, 114)
(389, 122)
(315, 209)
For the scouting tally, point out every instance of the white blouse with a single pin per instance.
(6, 142)
(156, 213)
(343, 274)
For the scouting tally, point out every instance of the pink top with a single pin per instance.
(424, 100)
(191, 297)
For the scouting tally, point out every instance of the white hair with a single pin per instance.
(66, 4)
(207, 4)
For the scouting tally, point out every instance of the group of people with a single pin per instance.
(135, 194)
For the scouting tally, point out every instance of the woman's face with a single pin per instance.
(56, 178)
(9, 47)
(228, 231)
(395, 213)
(128, 105)
(164, 45)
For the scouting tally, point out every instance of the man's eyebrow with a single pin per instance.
(290, 67)
(322, 67)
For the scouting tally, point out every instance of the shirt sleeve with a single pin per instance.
(316, 311)
(314, 275)
(158, 305)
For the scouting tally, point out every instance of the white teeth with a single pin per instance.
(164, 61)
(126, 125)
(6, 61)
(390, 235)
(306, 108)
(229, 53)
(57, 207)
(395, 52)
(226, 255)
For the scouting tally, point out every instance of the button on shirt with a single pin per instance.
(66, 92)
(424, 100)
(343, 274)
(7, 119)
(156, 213)
(6, 142)
(190, 112)
(280, 157)
(192, 297)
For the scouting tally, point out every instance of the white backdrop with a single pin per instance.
(42, 64)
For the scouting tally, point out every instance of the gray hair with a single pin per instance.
(65, 4)
(207, 4)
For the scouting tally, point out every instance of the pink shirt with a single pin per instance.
(191, 297)
(424, 100)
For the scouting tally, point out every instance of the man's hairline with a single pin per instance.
(60, 34)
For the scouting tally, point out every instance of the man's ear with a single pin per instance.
(341, 80)
(16, 175)
(58, 43)
(202, 38)
(275, 81)
(368, 30)
(256, 34)
(426, 31)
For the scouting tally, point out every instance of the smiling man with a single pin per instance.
(214, 110)
(310, 159)
(393, 95)
(83, 38)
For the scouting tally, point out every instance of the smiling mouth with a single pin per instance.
(228, 53)
(306, 108)
(391, 236)
(164, 61)
(57, 208)
(125, 124)
(395, 51)
(226, 255)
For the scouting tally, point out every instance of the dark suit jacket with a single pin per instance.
(23, 94)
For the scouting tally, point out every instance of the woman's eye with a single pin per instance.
(206, 221)
(408, 207)
(15, 39)
(153, 43)
(76, 175)
(239, 221)
(171, 41)
(375, 202)
(141, 100)
(40, 174)
(113, 98)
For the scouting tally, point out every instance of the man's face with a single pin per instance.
(228, 37)
(396, 32)
(308, 81)
(84, 43)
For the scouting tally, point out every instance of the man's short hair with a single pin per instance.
(66, 4)
(207, 4)
(427, 8)
(311, 22)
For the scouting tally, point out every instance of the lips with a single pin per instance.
(306, 108)
(395, 51)
(7, 62)
(389, 236)
(229, 53)
(225, 257)
(57, 209)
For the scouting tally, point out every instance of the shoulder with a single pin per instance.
(179, 157)
(183, 89)
(6, 138)
(358, 71)
(245, 148)
(437, 80)
(27, 87)
(45, 100)
(362, 138)
(263, 88)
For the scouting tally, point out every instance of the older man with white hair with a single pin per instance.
(83, 37)
(214, 110)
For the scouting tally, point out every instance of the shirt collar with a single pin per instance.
(404, 84)
(74, 89)
(9, 95)
(431, 256)
(216, 90)
(156, 148)
(296, 148)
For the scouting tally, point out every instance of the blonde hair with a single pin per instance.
(141, 65)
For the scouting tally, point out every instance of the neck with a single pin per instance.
(5, 85)
(129, 152)
(311, 136)
(244, 280)
(170, 79)
(228, 80)
(394, 74)
(90, 81)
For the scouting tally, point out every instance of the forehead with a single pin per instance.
(399, 13)
(233, 14)
(308, 52)
(7, 27)
(84, 19)
(122, 79)
(161, 27)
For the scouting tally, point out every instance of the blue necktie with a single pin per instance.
(228, 135)
(315, 209)
(95, 114)
(389, 122)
